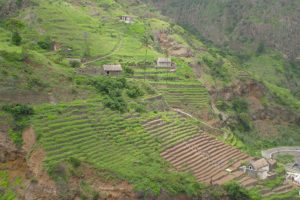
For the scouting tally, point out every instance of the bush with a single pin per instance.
(260, 49)
(240, 105)
(46, 43)
(134, 92)
(16, 38)
(236, 192)
(115, 103)
(20, 114)
(75, 64)
(75, 162)
(245, 122)
(18, 111)
(128, 71)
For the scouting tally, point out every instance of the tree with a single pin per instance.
(236, 192)
(16, 38)
(146, 43)
(15, 26)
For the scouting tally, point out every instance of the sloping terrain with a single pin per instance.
(150, 133)
(240, 24)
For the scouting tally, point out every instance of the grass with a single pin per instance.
(7, 186)
(114, 142)
(294, 194)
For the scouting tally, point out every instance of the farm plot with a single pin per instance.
(207, 158)
(184, 95)
(125, 144)
(155, 74)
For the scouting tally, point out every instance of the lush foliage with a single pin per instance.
(21, 114)
(236, 192)
(113, 90)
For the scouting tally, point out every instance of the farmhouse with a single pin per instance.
(164, 63)
(126, 19)
(114, 70)
(261, 168)
(93, 71)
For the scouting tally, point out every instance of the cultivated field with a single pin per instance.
(125, 144)
(207, 158)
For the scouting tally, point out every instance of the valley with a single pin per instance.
(105, 99)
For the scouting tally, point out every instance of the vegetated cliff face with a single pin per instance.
(240, 24)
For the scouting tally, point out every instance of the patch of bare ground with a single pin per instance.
(172, 47)
(13, 161)
(106, 188)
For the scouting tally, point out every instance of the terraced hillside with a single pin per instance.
(207, 158)
(125, 144)
(184, 94)
(155, 74)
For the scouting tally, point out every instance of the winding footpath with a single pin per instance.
(116, 48)
(270, 152)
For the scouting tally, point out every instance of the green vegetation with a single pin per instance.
(280, 177)
(21, 115)
(294, 194)
(7, 191)
(285, 159)
(108, 127)
(111, 141)
(236, 192)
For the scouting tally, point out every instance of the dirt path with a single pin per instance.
(204, 123)
(286, 150)
(116, 48)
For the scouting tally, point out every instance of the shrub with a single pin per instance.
(115, 103)
(20, 114)
(134, 92)
(236, 192)
(240, 105)
(260, 49)
(244, 121)
(128, 71)
(16, 38)
(74, 162)
(18, 111)
(46, 43)
(74, 64)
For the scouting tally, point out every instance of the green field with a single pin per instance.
(118, 143)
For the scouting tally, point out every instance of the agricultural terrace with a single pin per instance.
(92, 31)
(125, 144)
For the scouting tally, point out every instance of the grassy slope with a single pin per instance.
(66, 23)
(118, 143)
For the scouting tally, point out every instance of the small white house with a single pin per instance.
(126, 19)
(164, 63)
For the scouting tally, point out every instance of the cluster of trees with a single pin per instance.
(217, 68)
(114, 89)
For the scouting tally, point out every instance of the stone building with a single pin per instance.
(164, 63)
(126, 19)
(112, 70)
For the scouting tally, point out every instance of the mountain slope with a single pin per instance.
(240, 24)
(121, 127)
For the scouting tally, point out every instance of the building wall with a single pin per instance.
(112, 73)
(164, 64)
